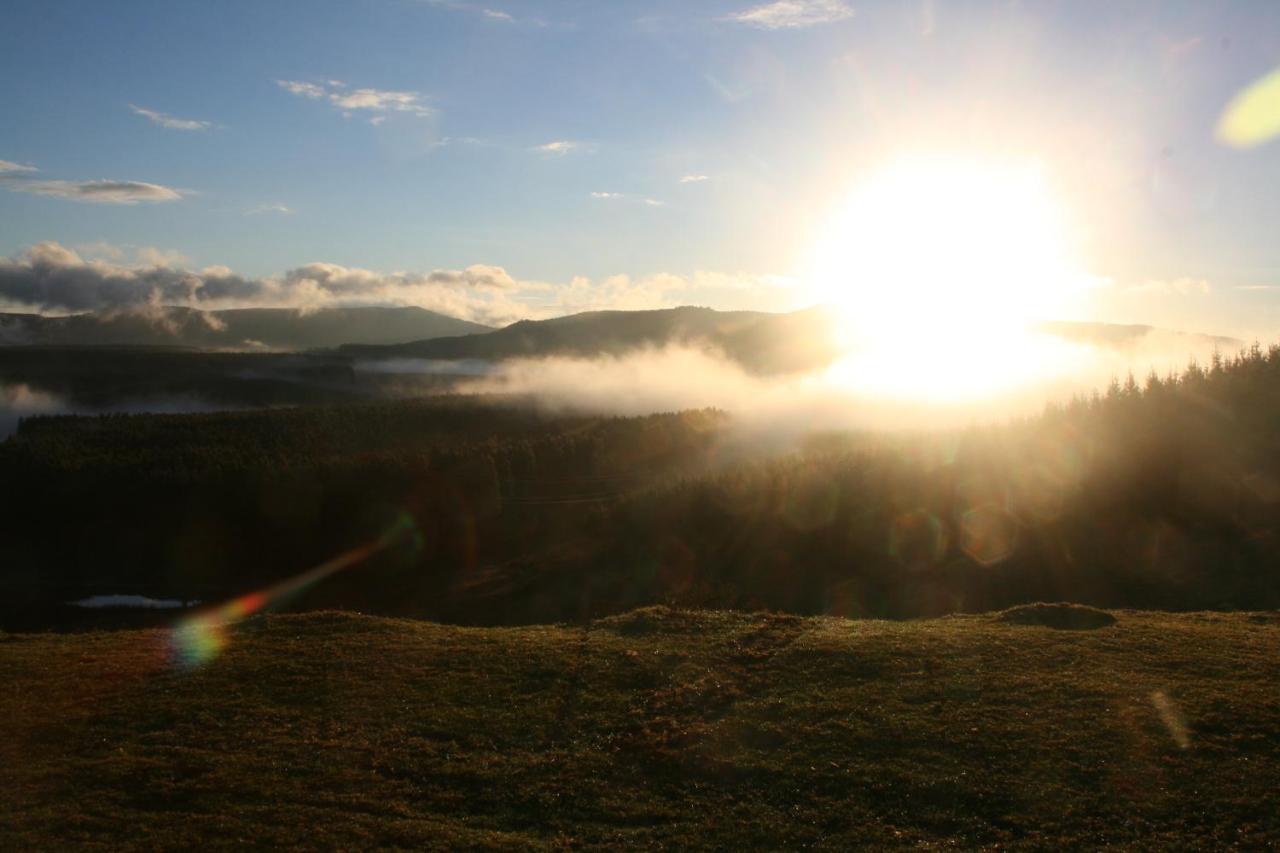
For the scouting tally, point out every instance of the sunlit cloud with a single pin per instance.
(7, 167)
(793, 14)
(497, 15)
(170, 122)
(693, 179)
(606, 195)
(51, 278)
(348, 100)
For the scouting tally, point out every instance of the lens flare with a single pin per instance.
(918, 540)
(1253, 116)
(199, 639)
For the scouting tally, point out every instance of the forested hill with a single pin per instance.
(1162, 494)
(236, 329)
(761, 342)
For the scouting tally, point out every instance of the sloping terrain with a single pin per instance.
(654, 728)
(236, 329)
(1135, 336)
(761, 342)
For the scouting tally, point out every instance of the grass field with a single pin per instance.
(658, 727)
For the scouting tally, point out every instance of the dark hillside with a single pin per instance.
(235, 329)
(1160, 495)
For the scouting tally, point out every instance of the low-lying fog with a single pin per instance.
(20, 400)
(676, 377)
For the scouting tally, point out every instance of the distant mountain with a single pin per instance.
(238, 329)
(1122, 336)
(763, 343)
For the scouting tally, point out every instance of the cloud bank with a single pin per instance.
(51, 278)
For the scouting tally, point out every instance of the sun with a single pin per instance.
(938, 269)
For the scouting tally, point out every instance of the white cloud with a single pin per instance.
(693, 179)
(305, 90)
(559, 147)
(268, 208)
(793, 14)
(99, 192)
(380, 102)
(483, 11)
(171, 122)
(650, 202)
(7, 167)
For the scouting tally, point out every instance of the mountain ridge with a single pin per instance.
(236, 328)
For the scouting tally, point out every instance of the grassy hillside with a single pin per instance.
(657, 727)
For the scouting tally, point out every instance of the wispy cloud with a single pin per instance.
(482, 11)
(1179, 286)
(693, 179)
(612, 196)
(348, 100)
(98, 192)
(268, 208)
(16, 177)
(170, 122)
(793, 14)
(560, 147)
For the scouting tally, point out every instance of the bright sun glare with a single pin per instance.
(939, 269)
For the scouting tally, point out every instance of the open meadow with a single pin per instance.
(654, 728)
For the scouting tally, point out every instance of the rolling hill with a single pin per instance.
(763, 343)
(235, 329)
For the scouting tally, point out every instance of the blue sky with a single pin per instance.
(702, 145)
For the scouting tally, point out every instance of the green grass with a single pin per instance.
(658, 727)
